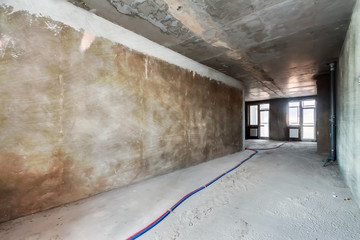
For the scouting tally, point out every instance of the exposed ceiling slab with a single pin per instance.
(274, 47)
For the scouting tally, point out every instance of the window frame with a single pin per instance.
(301, 106)
(265, 106)
(266, 109)
(303, 125)
(257, 115)
(298, 113)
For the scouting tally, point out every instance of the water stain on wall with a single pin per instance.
(77, 122)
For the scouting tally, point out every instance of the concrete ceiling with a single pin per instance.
(275, 47)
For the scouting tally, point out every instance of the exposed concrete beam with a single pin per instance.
(199, 21)
(84, 20)
(264, 44)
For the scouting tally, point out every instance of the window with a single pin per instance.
(308, 103)
(308, 133)
(265, 106)
(294, 113)
(309, 116)
(253, 115)
(301, 116)
(308, 119)
(259, 120)
(264, 120)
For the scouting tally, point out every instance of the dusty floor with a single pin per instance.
(278, 194)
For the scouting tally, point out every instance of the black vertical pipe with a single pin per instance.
(332, 112)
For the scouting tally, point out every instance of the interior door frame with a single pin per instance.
(257, 127)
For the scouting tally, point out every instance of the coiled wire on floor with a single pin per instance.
(165, 214)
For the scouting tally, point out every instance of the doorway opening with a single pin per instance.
(259, 119)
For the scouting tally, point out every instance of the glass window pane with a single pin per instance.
(264, 130)
(294, 133)
(294, 116)
(265, 106)
(294, 104)
(253, 132)
(253, 115)
(264, 117)
(308, 133)
(308, 103)
(309, 116)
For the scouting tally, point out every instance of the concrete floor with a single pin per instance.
(278, 194)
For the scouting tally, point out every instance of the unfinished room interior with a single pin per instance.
(179, 119)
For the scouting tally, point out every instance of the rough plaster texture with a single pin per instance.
(348, 106)
(81, 114)
(275, 47)
(79, 19)
(278, 116)
(323, 114)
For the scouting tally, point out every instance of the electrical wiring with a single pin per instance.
(166, 213)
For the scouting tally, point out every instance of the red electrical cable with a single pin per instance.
(165, 214)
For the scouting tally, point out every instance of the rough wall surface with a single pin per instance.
(348, 106)
(323, 114)
(274, 47)
(80, 115)
(278, 122)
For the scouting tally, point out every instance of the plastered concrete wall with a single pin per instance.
(278, 119)
(323, 114)
(348, 106)
(80, 114)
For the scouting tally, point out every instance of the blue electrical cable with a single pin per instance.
(165, 214)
